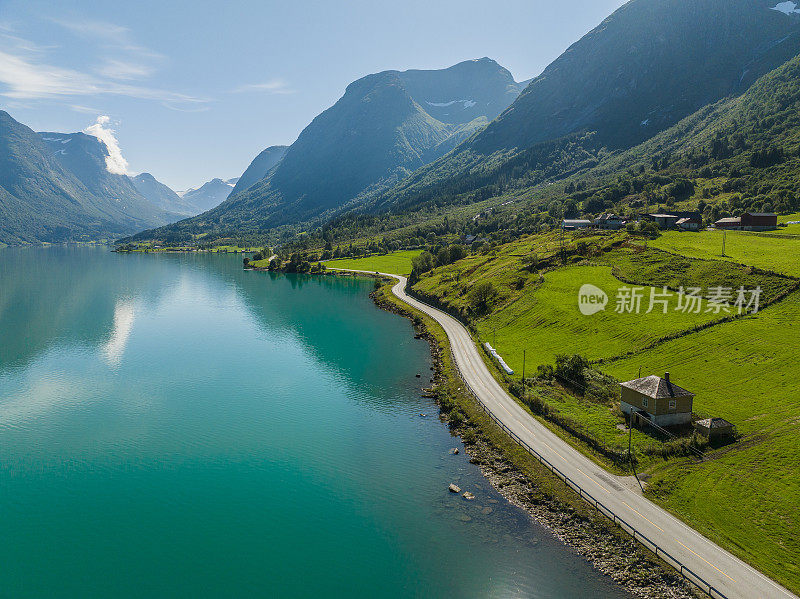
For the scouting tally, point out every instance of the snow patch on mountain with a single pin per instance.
(466, 103)
(61, 139)
(787, 8)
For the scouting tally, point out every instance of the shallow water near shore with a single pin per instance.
(173, 426)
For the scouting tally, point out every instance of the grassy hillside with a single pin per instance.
(743, 369)
(770, 252)
(547, 322)
(746, 496)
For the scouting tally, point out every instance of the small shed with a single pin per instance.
(714, 428)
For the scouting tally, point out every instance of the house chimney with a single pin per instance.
(666, 376)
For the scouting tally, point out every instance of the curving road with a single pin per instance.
(728, 575)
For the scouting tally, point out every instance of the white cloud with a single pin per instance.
(121, 69)
(96, 29)
(272, 87)
(84, 109)
(21, 44)
(115, 163)
(26, 74)
(26, 80)
(787, 8)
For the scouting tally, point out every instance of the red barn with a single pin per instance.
(759, 221)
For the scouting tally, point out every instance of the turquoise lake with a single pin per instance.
(173, 426)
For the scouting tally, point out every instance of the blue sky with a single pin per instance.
(195, 89)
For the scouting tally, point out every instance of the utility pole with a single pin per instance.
(630, 449)
(523, 372)
(630, 436)
(724, 236)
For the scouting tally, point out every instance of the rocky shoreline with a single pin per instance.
(617, 556)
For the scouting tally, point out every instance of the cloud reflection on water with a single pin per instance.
(113, 350)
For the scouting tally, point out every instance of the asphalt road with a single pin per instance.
(729, 576)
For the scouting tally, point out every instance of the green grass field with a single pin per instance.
(547, 321)
(397, 263)
(793, 229)
(747, 497)
(762, 251)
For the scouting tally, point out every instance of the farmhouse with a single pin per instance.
(470, 239)
(670, 220)
(728, 223)
(609, 222)
(658, 400)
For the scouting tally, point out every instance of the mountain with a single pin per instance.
(648, 65)
(749, 144)
(85, 157)
(736, 155)
(209, 194)
(162, 196)
(384, 127)
(644, 68)
(261, 165)
(54, 188)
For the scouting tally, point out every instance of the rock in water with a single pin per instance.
(454, 488)
(468, 496)
(454, 451)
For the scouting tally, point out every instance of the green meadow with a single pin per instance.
(396, 263)
(745, 496)
(547, 321)
(766, 251)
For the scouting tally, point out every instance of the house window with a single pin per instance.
(673, 404)
(644, 402)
